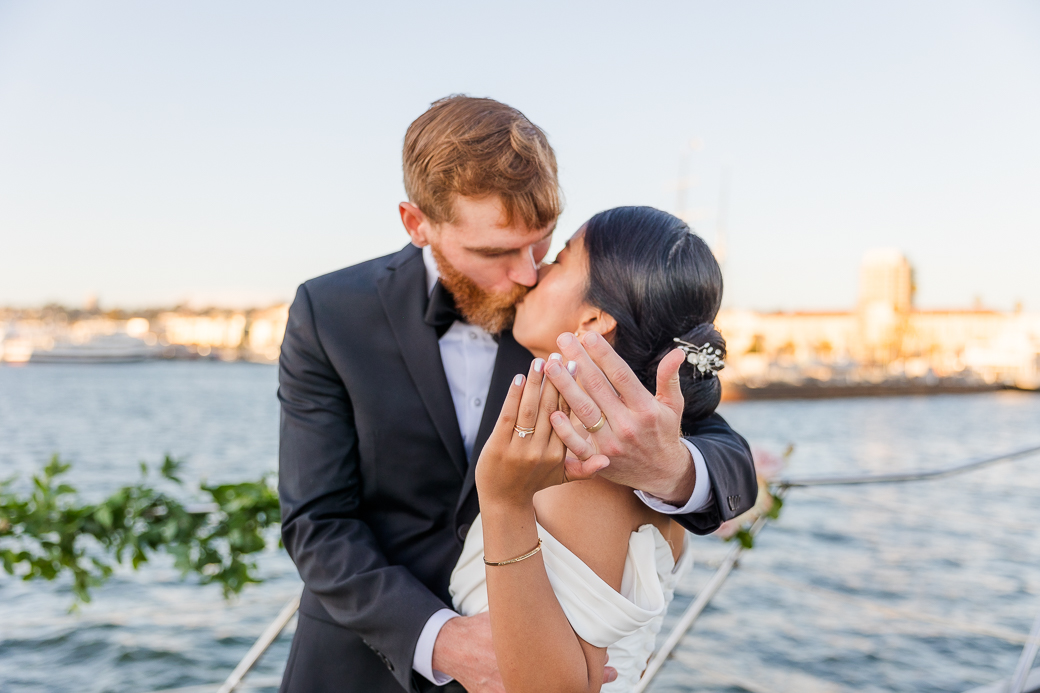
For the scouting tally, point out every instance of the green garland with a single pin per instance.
(51, 532)
(744, 536)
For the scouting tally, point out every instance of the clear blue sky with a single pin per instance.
(153, 152)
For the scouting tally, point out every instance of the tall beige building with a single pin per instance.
(883, 337)
(886, 297)
(886, 278)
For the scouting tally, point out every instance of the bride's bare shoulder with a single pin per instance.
(594, 519)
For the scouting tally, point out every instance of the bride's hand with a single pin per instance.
(523, 455)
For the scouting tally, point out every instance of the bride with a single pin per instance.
(575, 572)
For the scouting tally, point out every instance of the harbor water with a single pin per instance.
(927, 586)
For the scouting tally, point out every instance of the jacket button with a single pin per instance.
(463, 531)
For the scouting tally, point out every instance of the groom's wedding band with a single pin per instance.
(598, 425)
(523, 432)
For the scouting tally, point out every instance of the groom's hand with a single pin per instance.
(463, 650)
(641, 436)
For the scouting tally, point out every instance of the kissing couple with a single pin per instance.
(487, 462)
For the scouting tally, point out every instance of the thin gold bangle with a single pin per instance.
(518, 558)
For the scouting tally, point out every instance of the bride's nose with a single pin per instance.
(524, 270)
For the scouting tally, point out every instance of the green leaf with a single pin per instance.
(745, 538)
(46, 532)
(169, 468)
(104, 516)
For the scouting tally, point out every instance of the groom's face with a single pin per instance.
(487, 264)
(497, 257)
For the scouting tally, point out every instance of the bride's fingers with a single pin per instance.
(579, 446)
(562, 405)
(582, 470)
(585, 408)
(547, 405)
(555, 450)
(507, 417)
(527, 416)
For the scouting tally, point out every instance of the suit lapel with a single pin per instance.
(402, 290)
(510, 360)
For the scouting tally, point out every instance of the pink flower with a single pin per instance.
(729, 528)
(768, 465)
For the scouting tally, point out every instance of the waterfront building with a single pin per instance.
(884, 339)
(265, 332)
(222, 330)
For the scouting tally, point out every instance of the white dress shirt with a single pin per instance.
(468, 354)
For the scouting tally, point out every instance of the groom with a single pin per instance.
(391, 377)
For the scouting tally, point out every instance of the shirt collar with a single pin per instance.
(432, 273)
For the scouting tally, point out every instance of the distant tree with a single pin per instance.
(50, 531)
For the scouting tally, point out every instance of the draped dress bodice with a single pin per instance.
(626, 622)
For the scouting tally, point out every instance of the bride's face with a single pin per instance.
(556, 304)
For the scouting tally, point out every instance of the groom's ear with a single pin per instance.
(598, 321)
(415, 223)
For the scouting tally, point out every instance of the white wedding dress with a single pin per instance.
(626, 623)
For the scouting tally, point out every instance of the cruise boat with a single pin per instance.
(113, 348)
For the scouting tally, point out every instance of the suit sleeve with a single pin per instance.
(731, 471)
(319, 486)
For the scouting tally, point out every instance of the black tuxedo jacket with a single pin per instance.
(377, 494)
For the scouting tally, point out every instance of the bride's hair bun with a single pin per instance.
(659, 281)
(701, 390)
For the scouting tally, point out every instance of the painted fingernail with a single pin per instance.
(572, 367)
(555, 357)
(539, 364)
(518, 380)
(565, 339)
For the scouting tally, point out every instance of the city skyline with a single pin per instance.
(885, 343)
(221, 155)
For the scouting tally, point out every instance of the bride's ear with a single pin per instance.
(598, 321)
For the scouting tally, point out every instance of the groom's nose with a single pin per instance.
(523, 269)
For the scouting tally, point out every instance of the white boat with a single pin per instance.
(113, 348)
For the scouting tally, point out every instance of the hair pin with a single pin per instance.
(705, 358)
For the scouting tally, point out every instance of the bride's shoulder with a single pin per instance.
(594, 520)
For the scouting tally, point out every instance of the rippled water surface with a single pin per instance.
(929, 586)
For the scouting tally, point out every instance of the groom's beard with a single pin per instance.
(490, 310)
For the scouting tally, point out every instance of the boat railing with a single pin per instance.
(1024, 679)
(711, 588)
(899, 477)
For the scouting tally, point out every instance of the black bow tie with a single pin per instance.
(441, 313)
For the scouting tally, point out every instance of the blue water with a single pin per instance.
(918, 587)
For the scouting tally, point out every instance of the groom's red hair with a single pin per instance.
(475, 148)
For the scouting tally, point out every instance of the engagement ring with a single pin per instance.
(523, 432)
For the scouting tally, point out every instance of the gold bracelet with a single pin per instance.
(518, 558)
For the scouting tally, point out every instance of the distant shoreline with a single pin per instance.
(740, 393)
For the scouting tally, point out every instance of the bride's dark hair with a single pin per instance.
(659, 281)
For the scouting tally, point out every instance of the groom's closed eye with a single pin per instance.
(495, 253)
(491, 251)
